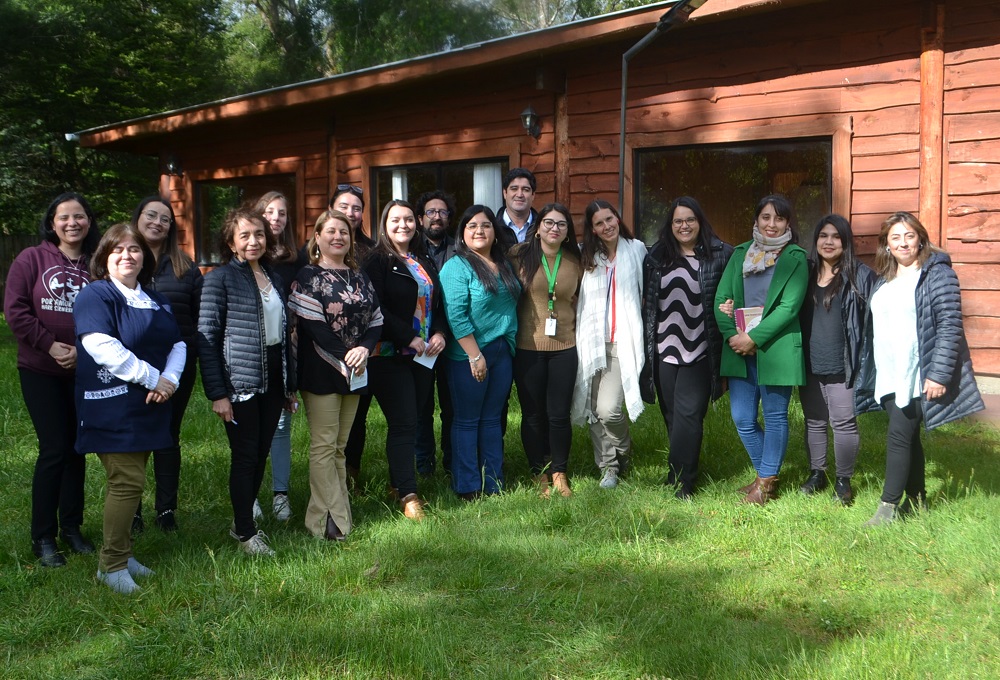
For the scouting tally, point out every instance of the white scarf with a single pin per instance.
(591, 319)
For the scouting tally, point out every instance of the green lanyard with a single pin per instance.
(551, 276)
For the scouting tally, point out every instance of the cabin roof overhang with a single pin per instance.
(145, 135)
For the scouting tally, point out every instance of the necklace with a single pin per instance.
(346, 279)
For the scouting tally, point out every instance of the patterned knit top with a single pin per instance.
(680, 323)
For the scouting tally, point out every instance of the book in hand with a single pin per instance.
(747, 318)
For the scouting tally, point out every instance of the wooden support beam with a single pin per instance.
(932, 123)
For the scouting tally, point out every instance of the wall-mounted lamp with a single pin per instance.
(529, 119)
(173, 167)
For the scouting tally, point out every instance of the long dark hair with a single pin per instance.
(482, 271)
(285, 247)
(846, 267)
(529, 254)
(179, 260)
(783, 208)
(382, 242)
(592, 243)
(671, 247)
(48, 233)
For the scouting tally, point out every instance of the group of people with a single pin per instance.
(588, 327)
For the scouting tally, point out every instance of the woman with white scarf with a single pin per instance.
(758, 302)
(609, 338)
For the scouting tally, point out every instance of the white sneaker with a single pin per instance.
(610, 478)
(282, 508)
(258, 514)
(119, 581)
(257, 545)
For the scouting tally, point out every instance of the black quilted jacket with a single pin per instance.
(943, 350)
(230, 333)
(184, 295)
(713, 264)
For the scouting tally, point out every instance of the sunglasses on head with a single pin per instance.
(357, 191)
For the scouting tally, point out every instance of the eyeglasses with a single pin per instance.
(357, 191)
(690, 221)
(552, 225)
(437, 212)
(483, 227)
(154, 216)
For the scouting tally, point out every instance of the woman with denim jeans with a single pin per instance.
(763, 287)
(480, 351)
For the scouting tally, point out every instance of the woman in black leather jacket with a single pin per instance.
(833, 322)
(915, 361)
(178, 279)
(681, 337)
(242, 346)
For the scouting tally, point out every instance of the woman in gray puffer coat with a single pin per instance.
(916, 361)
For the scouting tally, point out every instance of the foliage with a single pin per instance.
(628, 583)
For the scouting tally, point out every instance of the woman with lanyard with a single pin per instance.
(609, 338)
(545, 361)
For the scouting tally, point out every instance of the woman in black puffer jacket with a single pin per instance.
(682, 342)
(916, 361)
(179, 280)
(242, 345)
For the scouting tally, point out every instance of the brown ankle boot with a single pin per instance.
(542, 482)
(764, 491)
(412, 506)
(744, 490)
(561, 482)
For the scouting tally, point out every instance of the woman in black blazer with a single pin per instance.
(409, 293)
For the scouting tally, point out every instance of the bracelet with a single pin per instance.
(476, 360)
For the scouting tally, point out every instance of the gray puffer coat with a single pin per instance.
(231, 332)
(942, 348)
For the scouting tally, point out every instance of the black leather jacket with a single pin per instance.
(713, 263)
(942, 348)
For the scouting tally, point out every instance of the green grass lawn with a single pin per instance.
(628, 583)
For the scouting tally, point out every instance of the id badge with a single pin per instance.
(550, 326)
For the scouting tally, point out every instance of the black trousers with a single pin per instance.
(250, 441)
(684, 393)
(426, 447)
(57, 485)
(356, 439)
(904, 454)
(402, 389)
(167, 462)
(545, 383)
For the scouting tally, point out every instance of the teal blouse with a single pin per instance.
(471, 309)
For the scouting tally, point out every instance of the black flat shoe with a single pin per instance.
(166, 521)
(817, 482)
(333, 532)
(47, 552)
(76, 542)
(138, 525)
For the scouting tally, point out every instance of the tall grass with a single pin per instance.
(628, 583)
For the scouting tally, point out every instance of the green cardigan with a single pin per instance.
(780, 360)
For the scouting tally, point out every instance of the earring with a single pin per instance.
(538, 236)
(887, 249)
(921, 247)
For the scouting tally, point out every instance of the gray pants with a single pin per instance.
(826, 402)
(609, 433)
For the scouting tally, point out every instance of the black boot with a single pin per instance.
(843, 491)
(816, 482)
(47, 552)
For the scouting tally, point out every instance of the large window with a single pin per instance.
(729, 179)
(469, 181)
(214, 198)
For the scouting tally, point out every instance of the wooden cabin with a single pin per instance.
(851, 106)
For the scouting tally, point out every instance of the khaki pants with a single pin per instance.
(610, 432)
(330, 418)
(126, 478)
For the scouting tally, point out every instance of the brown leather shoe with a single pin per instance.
(333, 532)
(542, 481)
(765, 491)
(561, 482)
(744, 490)
(412, 506)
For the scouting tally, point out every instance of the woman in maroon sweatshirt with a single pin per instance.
(41, 287)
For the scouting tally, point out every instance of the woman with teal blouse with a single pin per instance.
(763, 287)
(480, 301)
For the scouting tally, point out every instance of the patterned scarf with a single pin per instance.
(764, 251)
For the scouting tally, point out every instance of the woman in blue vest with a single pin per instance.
(130, 360)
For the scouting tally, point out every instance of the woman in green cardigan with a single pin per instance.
(758, 303)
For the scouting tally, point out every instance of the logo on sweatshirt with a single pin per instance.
(62, 285)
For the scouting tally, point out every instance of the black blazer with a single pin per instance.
(397, 296)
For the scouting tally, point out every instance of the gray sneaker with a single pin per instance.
(885, 514)
(610, 478)
(257, 545)
(258, 514)
(119, 581)
(282, 508)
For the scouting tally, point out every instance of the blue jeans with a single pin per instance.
(767, 445)
(281, 453)
(477, 442)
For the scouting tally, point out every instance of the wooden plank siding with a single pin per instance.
(909, 92)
